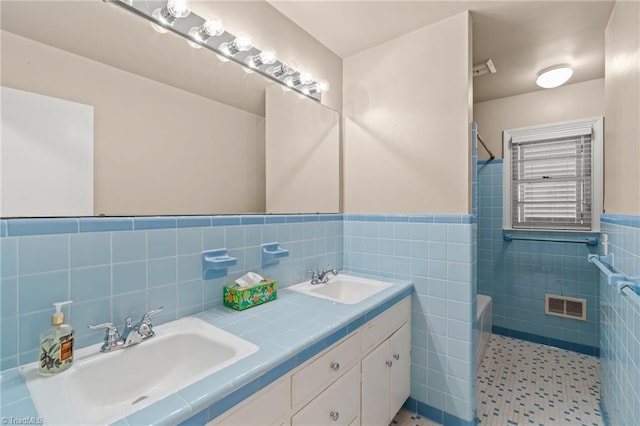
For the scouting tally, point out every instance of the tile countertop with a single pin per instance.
(288, 331)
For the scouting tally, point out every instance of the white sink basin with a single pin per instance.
(102, 387)
(343, 288)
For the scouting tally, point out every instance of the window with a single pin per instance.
(553, 176)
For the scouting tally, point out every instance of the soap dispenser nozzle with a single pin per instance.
(58, 317)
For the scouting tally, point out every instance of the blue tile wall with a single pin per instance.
(518, 274)
(118, 267)
(620, 326)
(437, 254)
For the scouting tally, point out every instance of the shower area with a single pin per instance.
(539, 297)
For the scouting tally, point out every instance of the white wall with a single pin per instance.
(580, 100)
(407, 123)
(302, 152)
(158, 149)
(622, 107)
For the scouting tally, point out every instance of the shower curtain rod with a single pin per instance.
(485, 147)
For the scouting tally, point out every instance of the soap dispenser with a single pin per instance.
(56, 344)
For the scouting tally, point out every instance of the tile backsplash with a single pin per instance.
(113, 268)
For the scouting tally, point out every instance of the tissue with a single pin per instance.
(249, 280)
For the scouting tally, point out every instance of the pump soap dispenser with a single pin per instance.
(56, 344)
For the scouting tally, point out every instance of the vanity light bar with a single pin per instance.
(200, 32)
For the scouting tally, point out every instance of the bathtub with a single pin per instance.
(483, 326)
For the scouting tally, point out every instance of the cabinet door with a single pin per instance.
(400, 350)
(375, 387)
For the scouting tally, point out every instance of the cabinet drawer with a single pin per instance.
(385, 324)
(267, 407)
(339, 404)
(323, 371)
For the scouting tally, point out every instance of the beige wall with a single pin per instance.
(158, 149)
(82, 27)
(575, 101)
(622, 108)
(302, 151)
(407, 115)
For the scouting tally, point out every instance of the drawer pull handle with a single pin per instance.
(396, 356)
(389, 363)
(335, 366)
(334, 415)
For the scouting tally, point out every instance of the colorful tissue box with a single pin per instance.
(244, 298)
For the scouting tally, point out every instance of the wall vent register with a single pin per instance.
(567, 307)
(553, 176)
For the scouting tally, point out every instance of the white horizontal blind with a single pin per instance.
(551, 181)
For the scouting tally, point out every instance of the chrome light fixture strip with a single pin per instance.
(182, 26)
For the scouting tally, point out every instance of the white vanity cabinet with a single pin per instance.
(362, 379)
(385, 378)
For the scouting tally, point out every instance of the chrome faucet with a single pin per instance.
(322, 276)
(132, 334)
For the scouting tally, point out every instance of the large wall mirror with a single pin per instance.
(176, 131)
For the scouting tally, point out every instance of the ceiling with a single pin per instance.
(521, 37)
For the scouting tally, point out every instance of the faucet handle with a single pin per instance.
(146, 318)
(111, 337)
(108, 325)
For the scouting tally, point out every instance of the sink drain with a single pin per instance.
(143, 397)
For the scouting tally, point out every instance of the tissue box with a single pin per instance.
(244, 298)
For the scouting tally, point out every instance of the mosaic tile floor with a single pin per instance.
(406, 418)
(521, 383)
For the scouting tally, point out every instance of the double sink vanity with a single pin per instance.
(341, 356)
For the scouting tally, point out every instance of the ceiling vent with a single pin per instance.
(484, 68)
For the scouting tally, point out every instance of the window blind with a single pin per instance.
(551, 181)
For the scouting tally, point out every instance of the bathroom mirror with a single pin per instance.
(177, 131)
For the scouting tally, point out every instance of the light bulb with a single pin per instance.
(178, 8)
(173, 10)
(240, 44)
(554, 76)
(206, 31)
(302, 79)
(305, 78)
(266, 57)
(280, 70)
(214, 27)
(203, 33)
(322, 86)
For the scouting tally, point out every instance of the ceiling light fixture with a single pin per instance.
(175, 16)
(554, 76)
